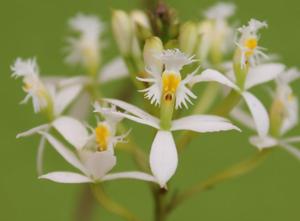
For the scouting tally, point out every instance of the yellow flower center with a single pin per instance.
(170, 82)
(102, 135)
(251, 45)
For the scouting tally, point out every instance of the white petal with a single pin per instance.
(71, 81)
(263, 73)
(133, 110)
(129, 175)
(40, 156)
(68, 155)
(203, 123)
(163, 157)
(65, 97)
(213, 75)
(80, 108)
(72, 130)
(263, 142)
(66, 177)
(98, 163)
(33, 131)
(115, 69)
(291, 149)
(292, 139)
(258, 112)
(244, 118)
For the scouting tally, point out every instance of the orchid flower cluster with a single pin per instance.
(162, 59)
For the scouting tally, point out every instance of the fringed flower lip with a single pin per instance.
(256, 76)
(163, 153)
(169, 80)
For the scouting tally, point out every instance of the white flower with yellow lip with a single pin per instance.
(94, 163)
(85, 50)
(163, 154)
(167, 84)
(285, 107)
(248, 42)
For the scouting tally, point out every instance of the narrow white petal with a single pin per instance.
(291, 149)
(65, 97)
(129, 175)
(115, 69)
(34, 130)
(98, 163)
(66, 177)
(40, 156)
(68, 155)
(263, 73)
(292, 139)
(258, 112)
(71, 81)
(263, 142)
(244, 118)
(132, 109)
(80, 108)
(72, 130)
(203, 123)
(216, 76)
(163, 157)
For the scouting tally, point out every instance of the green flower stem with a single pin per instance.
(111, 205)
(160, 204)
(222, 110)
(232, 172)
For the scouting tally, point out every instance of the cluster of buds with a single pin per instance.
(166, 60)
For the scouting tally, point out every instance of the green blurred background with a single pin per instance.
(38, 28)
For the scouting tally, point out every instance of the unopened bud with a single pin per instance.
(189, 38)
(123, 31)
(153, 47)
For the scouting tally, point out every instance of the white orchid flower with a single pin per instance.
(85, 50)
(256, 76)
(163, 154)
(167, 84)
(43, 94)
(248, 43)
(286, 108)
(93, 163)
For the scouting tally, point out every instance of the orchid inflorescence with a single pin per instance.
(165, 60)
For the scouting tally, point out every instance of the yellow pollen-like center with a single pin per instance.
(170, 82)
(102, 135)
(251, 45)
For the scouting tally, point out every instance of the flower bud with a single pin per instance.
(141, 25)
(123, 31)
(188, 38)
(153, 47)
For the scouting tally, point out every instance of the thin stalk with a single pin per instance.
(111, 205)
(230, 173)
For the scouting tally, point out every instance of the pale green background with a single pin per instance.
(38, 27)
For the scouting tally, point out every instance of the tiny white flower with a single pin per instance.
(248, 42)
(221, 10)
(93, 163)
(85, 50)
(257, 75)
(288, 102)
(168, 84)
(163, 154)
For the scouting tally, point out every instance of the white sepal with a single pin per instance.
(40, 156)
(213, 75)
(291, 149)
(243, 117)
(66, 177)
(262, 74)
(292, 139)
(203, 123)
(33, 131)
(68, 155)
(258, 112)
(72, 130)
(129, 175)
(114, 70)
(163, 157)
